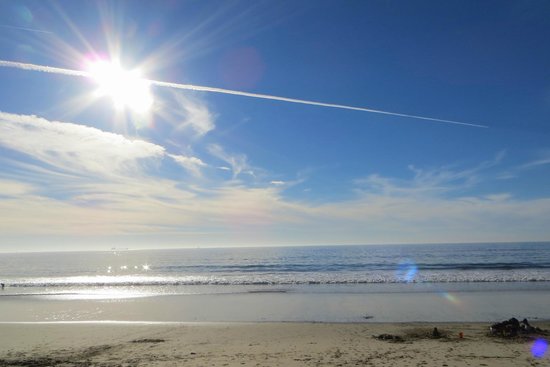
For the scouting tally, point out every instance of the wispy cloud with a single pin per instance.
(191, 114)
(75, 148)
(26, 29)
(436, 206)
(238, 162)
(69, 179)
(13, 188)
(436, 181)
(82, 150)
(447, 175)
(192, 164)
(86, 183)
(543, 159)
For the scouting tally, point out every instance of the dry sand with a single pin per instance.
(260, 344)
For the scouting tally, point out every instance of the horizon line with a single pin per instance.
(125, 249)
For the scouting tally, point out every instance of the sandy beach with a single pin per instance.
(261, 344)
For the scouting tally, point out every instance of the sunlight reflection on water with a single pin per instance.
(101, 294)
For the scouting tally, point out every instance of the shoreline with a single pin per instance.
(357, 305)
(264, 344)
(192, 323)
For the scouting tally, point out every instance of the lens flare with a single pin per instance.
(450, 297)
(24, 14)
(539, 348)
(406, 271)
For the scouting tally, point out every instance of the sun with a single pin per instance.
(127, 89)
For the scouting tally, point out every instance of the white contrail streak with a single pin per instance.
(25, 29)
(302, 101)
(45, 69)
(70, 72)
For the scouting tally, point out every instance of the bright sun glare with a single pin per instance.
(127, 89)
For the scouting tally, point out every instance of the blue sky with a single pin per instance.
(197, 168)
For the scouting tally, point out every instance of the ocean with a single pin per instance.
(445, 282)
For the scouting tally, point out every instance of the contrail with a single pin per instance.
(70, 72)
(303, 101)
(45, 69)
(25, 29)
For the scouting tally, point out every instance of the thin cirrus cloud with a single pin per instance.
(192, 164)
(406, 211)
(442, 180)
(69, 179)
(60, 178)
(82, 150)
(26, 29)
(237, 162)
(432, 206)
(542, 160)
(191, 114)
(384, 218)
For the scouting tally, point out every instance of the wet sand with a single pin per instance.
(261, 344)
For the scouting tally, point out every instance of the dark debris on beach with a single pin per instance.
(415, 334)
(148, 341)
(513, 328)
(389, 337)
(44, 362)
